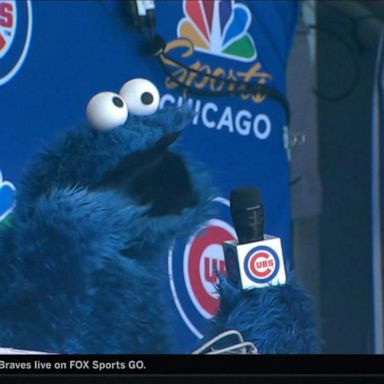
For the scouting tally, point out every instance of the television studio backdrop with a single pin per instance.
(308, 136)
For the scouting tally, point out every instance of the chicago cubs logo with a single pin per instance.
(7, 26)
(193, 268)
(15, 36)
(261, 264)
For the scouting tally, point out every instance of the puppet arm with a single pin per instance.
(277, 319)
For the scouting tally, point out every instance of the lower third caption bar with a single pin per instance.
(71, 365)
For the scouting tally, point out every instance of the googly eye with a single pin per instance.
(106, 110)
(141, 96)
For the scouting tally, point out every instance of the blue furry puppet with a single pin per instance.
(83, 265)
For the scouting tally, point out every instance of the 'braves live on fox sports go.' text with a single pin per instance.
(92, 365)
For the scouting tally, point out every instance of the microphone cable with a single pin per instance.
(141, 13)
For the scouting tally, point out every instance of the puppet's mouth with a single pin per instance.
(155, 177)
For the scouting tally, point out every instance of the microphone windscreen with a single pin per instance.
(247, 214)
(244, 197)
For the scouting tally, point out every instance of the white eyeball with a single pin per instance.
(141, 96)
(106, 110)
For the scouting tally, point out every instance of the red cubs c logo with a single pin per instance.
(204, 257)
(15, 36)
(7, 26)
(261, 264)
(6, 14)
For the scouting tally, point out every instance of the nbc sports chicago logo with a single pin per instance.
(218, 28)
(15, 36)
(193, 267)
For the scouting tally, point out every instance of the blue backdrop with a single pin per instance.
(55, 55)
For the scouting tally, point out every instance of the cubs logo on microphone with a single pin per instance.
(193, 267)
(261, 264)
(15, 36)
(255, 265)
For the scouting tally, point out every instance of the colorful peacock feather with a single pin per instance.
(218, 27)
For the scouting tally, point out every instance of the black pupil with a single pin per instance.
(117, 101)
(147, 98)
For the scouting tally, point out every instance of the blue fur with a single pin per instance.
(277, 319)
(65, 285)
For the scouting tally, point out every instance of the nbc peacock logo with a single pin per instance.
(218, 27)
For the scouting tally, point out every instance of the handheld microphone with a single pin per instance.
(256, 259)
(247, 213)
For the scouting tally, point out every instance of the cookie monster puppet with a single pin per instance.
(83, 265)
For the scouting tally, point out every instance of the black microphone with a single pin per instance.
(256, 259)
(247, 213)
